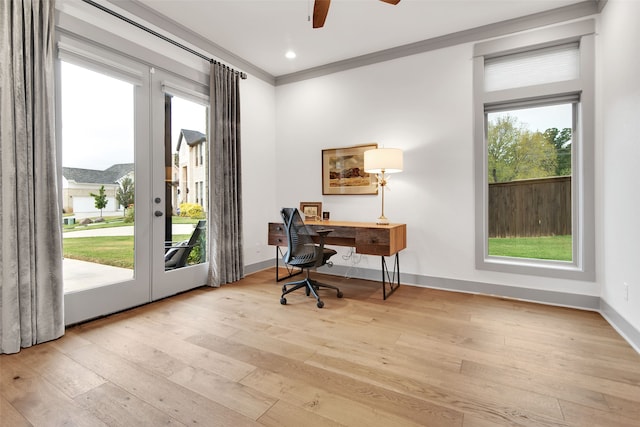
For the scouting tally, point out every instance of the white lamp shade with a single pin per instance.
(388, 160)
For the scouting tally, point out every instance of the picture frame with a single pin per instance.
(311, 210)
(343, 171)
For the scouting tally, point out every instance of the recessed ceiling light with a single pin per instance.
(290, 54)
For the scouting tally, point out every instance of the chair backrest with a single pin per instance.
(177, 256)
(300, 245)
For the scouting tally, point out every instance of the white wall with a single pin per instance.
(258, 166)
(619, 139)
(423, 105)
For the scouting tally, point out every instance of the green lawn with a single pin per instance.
(108, 250)
(113, 221)
(548, 247)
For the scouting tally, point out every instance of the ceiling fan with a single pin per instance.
(321, 8)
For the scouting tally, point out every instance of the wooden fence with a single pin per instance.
(530, 208)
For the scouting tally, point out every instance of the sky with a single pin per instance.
(97, 119)
(543, 118)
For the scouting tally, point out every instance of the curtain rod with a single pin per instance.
(161, 36)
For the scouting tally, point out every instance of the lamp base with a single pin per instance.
(383, 220)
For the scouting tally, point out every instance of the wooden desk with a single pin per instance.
(366, 237)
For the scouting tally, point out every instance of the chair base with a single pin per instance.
(311, 287)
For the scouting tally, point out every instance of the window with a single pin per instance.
(529, 182)
(534, 153)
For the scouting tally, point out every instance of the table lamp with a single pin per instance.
(383, 161)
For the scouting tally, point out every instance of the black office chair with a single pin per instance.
(176, 255)
(303, 253)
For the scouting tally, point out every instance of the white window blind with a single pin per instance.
(548, 65)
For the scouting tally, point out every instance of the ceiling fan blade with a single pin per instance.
(391, 1)
(320, 10)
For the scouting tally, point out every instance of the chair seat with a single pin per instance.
(310, 261)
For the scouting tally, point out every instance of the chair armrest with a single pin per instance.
(323, 231)
(180, 246)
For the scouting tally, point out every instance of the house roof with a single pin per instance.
(192, 137)
(93, 176)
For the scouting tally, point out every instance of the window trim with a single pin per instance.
(583, 193)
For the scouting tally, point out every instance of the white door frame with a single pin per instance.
(150, 282)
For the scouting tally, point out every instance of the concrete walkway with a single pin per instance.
(81, 275)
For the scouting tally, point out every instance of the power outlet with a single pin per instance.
(626, 291)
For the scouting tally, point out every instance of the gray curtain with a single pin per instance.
(31, 294)
(225, 183)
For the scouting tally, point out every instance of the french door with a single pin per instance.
(129, 163)
(180, 181)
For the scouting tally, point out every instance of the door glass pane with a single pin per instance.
(186, 183)
(98, 178)
(529, 175)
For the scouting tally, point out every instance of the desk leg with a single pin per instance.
(291, 270)
(392, 279)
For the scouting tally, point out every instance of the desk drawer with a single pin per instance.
(373, 241)
(277, 234)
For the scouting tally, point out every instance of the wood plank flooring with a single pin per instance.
(235, 357)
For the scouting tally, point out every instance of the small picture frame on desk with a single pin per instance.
(312, 211)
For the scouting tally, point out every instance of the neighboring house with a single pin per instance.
(78, 184)
(190, 178)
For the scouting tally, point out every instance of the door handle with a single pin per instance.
(158, 213)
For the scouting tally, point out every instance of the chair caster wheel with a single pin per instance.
(320, 304)
(283, 300)
(340, 295)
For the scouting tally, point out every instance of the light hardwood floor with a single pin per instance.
(234, 356)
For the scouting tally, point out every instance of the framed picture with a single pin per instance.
(311, 210)
(343, 171)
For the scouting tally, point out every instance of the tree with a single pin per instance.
(561, 140)
(534, 156)
(514, 152)
(125, 193)
(502, 136)
(100, 199)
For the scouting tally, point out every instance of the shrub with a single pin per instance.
(191, 210)
(130, 214)
(198, 254)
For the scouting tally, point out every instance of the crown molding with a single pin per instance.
(541, 19)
